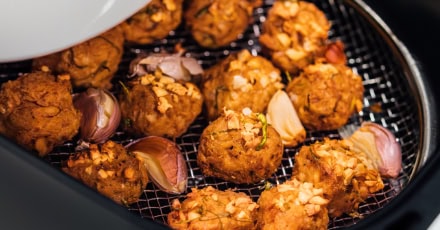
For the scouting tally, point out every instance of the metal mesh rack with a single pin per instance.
(368, 53)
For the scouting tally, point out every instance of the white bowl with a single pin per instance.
(32, 28)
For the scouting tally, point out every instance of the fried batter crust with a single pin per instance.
(346, 177)
(239, 81)
(209, 208)
(326, 95)
(36, 111)
(294, 34)
(92, 63)
(292, 205)
(217, 23)
(158, 105)
(110, 170)
(153, 22)
(228, 150)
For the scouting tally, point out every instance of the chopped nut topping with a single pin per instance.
(110, 172)
(45, 68)
(295, 54)
(306, 194)
(163, 105)
(157, 17)
(252, 206)
(239, 82)
(177, 89)
(242, 215)
(193, 216)
(230, 207)
(165, 87)
(88, 170)
(102, 173)
(176, 205)
(318, 200)
(284, 39)
(159, 91)
(247, 111)
(242, 200)
(285, 187)
(279, 203)
(129, 173)
(312, 209)
(193, 204)
(232, 119)
(94, 154)
(64, 77)
(170, 5)
(97, 161)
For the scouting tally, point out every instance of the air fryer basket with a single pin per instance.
(391, 81)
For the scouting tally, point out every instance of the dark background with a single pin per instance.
(56, 206)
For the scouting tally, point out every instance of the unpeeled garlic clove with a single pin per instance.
(283, 117)
(173, 65)
(164, 162)
(381, 146)
(100, 114)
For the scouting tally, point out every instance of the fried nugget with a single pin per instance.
(153, 22)
(158, 105)
(110, 170)
(209, 208)
(292, 205)
(326, 95)
(294, 34)
(92, 63)
(217, 23)
(346, 177)
(240, 147)
(37, 112)
(241, 80)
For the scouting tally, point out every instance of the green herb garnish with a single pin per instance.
(263, 120)
(289, 77)
(124, 88)
(202, 11)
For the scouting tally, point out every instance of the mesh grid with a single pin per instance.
(368, 54)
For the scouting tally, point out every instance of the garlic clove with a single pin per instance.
(283, 117)
(381, 146)
(173, 65)
(101, 114)
(164, 162)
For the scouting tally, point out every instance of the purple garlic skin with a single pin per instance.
(173, 65)
(385, 151)
(101, 114)
(164, 162)
(388, 148)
